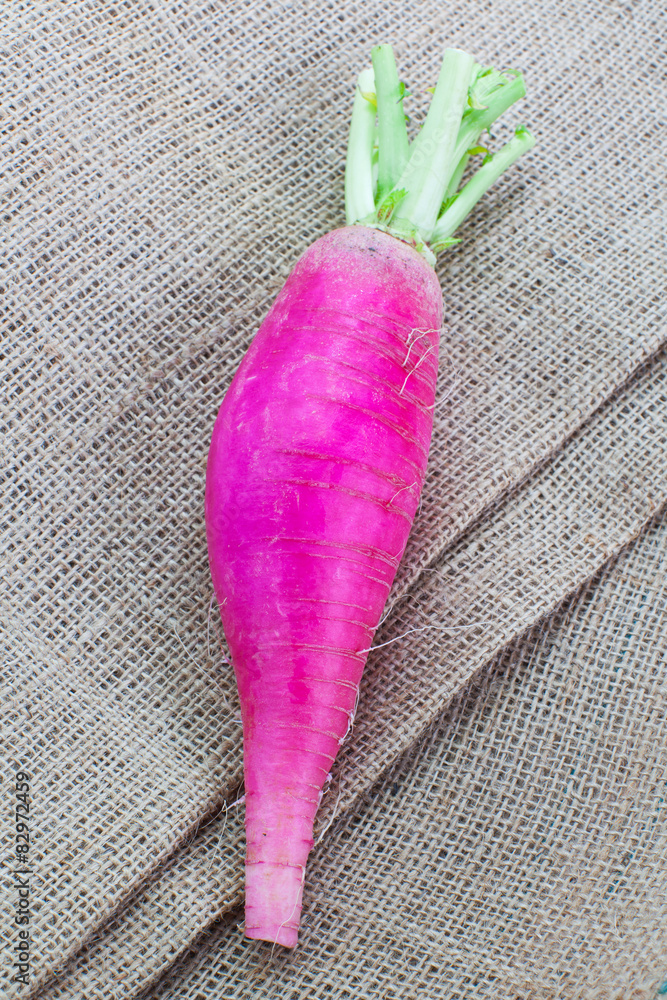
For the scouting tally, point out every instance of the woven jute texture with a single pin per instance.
(519, 851)
(162, 166)
(621, 455)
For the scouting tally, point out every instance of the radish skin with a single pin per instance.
(317, 463)
(316, 466)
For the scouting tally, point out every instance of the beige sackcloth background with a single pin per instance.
(496, 823)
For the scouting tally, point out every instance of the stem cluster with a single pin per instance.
(412, 190)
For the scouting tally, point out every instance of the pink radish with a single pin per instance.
(319, 454)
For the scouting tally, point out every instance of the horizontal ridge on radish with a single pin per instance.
(315, 471)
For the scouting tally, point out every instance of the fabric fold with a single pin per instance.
(538, 547)
(520, 849)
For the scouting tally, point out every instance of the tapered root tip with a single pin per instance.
(273, 902)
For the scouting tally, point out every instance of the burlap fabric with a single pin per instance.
(163, 166)
(463, 875)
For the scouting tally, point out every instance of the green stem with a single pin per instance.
(475, 121)
(359, 195)
(428, 170)
(500, 93)
(411, 191)
(455, 179)
(393, 135)
(478, 185)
